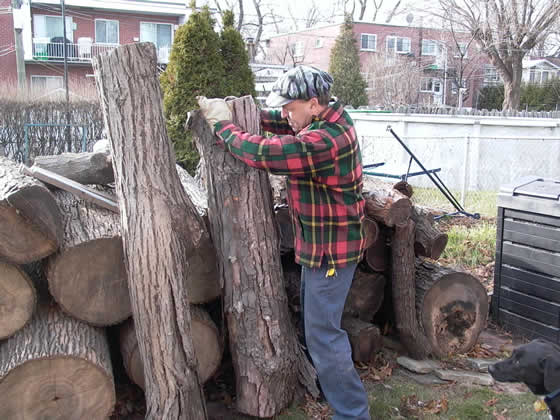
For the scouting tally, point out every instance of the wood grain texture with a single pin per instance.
(17, 299)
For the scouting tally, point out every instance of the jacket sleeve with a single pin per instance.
(272, 121)
(308, 154)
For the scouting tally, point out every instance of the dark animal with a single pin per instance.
(537, 365)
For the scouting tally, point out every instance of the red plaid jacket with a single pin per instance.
(324, 167)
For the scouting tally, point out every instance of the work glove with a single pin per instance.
(214, 110)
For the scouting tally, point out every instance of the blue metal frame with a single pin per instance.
(26, 135)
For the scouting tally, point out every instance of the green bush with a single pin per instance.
(195, 68)
(545, 97)
(491, 97)
(349, 85)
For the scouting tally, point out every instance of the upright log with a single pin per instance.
(163, 234)
(388, 206)
(404, 292)
(87, 277)
(377, 255)
(56, 367)
(365, 296)
(429, 241)
(85, 168)
(206, 340)
(30, 224)
(266, 355)
(452, 307)
(17, 299)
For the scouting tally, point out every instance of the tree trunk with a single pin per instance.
(365, 296)
(389, 207)
(371, 229)
(206, 340)
(265, 350)
(85, 168)
(56, 367)
(164, 238)
(30, 224)
(377, 255)
(365, 339)
(512, 85)
(87, 277)
(452, 307)
(429, 241)
(17, 299)
(403, 286)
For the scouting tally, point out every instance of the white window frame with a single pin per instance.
(463, 49)
(298, 49)
(427, 45)
(491, 76)
(158, 23)
(396, 49)
(69, 26)
(369, 36)
(454, 87)
(38, 76)
(118, 32)
(319, 43)
(433, 85)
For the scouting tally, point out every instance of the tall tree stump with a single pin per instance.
(87, 277)
(17, 299)
(265, 350)
(452, 307)
(30, 224)
(163, 235)
(56, 367)
(206, 340)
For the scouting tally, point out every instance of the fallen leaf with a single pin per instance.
(540, 405)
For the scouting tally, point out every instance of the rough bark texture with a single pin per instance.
(365, 338)
(365, 296)
(452, 307)
(266, 355)
(404, 188)
(87, 277)
(85, 168)
(371, 229)
(163, 235)
(404, 292)
(206, 340)
(17, 299)
(30, 225)
(56, 367)
(377, 255)
(388, 206)
(429, 241)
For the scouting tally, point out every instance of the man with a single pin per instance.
(315, 145)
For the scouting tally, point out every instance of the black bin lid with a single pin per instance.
(533, 194)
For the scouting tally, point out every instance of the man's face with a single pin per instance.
(299, 113)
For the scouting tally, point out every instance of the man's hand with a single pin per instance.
(214, 110)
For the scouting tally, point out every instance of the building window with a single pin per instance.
(462, 50)
(159, 34)
(539, 76)
(106, 31)
(429, 47)
(368, 42)
(51, 27)
(46, 83)
(491, 76)
(297, 49)
(430, 85)
(319, 43)
(398, 45)
(454, 87)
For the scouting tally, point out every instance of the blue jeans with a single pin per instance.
(322, 302)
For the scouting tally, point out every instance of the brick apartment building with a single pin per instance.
(432, 55)
(92, 26)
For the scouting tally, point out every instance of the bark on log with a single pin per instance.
(56, 367)
(389, 207)
(206, 341)
(371, 229)
(163, 235)
(452, 307)
(365, 338)
(404, 188)
(265, 350)
(404, 292)
(85, 168)
(30, 223)
(377, 254)
(365, 296)
(17, 299)
(87, 277)
(429, 241)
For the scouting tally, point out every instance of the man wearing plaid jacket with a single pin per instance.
(315, 145)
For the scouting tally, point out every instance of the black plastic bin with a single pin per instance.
(526, 299)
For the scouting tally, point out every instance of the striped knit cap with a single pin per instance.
(301, 82)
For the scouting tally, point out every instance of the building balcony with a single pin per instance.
(83, 51)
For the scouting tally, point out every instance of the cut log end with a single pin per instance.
(89, 282)
(17, 299)
(56, 388)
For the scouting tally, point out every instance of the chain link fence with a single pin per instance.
(472, 168)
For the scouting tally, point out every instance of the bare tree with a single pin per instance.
(393, 12)
(229, 5)
(507, 32)
(376, 6)
(363, 4)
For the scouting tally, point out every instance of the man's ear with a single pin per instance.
(552, 373)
